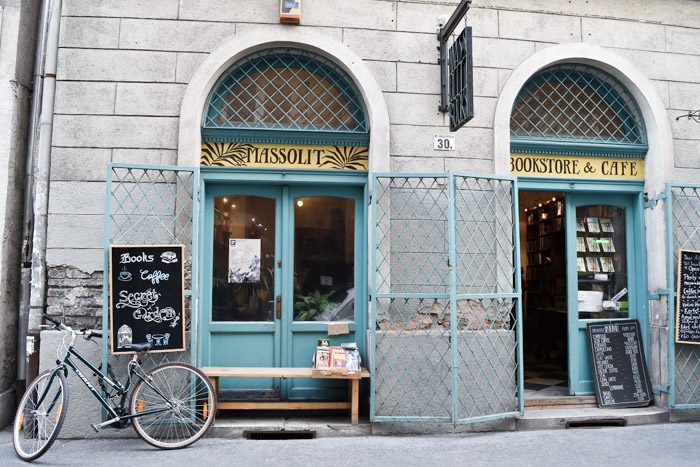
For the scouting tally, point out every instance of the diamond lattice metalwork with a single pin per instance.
(286, 89)
(686, 235)
(576, 103)
(155, 206)
(445, 303)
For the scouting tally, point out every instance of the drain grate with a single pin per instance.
(596, 423)
(279, 434)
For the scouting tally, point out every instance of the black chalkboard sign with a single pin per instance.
(146, 297)
(619, 366)
(688, 297)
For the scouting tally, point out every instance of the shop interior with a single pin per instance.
(543, 259)
(601, 286)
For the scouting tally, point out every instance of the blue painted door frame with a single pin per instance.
(587, 192)
(283, 341)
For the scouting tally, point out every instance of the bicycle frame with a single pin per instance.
(122, 391)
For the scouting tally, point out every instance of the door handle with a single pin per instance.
(278, 306)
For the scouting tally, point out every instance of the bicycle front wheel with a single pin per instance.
(40, 415)
(173, 406)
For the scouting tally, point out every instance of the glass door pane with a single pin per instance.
(601, 262)
(243, 258)
(324, 259)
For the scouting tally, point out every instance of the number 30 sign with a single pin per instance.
(444, 142)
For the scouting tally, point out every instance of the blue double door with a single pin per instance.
(282, 264)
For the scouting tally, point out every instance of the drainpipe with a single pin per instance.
(36, 221)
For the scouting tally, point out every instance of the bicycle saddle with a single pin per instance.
(140, 347)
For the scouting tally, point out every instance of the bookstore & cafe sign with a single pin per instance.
(536, 165)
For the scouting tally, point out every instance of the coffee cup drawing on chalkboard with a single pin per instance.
(168, 257)
(124, 275)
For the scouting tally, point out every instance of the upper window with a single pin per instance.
(576, 109)
(286, 95)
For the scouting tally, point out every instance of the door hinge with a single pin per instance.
(657, 295)
(651, 203)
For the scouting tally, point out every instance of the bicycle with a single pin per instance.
(171, 406)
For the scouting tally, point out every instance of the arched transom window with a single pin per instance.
(286, 96)
(576, 109)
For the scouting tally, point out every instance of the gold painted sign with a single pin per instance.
(285, 156)
(537, 165)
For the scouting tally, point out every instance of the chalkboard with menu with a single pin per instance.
(688, 297)
(146, 297)
(619, 367)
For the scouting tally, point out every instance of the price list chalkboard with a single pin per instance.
(146, 297)
(619, 366)
(688, 297)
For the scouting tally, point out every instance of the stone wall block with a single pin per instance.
(417, 141)
(187, 64)
(486, 82)
(686, 152)
(414, 109)
(416, 164)
(78, 97)
(683, 40)
(263, 29)
(87, 164)
(664, 66)
(121, 8)
(180, 36)
(116, 65)
(392, 46)
(539, 27)
(72, 197)
(92, 33)
(685, 96)
(247, 11)
(75, 231)
(86, 259)
(468, 165)
(115, 131)
(364, 14)
(145, 156)
(384, 73)
(623, 34)
(500, 53)
(149, 99)
(418, 78)
(422, 17)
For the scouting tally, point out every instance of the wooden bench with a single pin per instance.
(214, 373)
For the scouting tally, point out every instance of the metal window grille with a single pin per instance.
(683, 218)
(154, 205)
(446, 298)
(286, 89)
(576, 104)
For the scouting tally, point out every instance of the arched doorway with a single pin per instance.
(284, 160)
(577, 144)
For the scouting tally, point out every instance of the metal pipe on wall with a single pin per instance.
(33, 295)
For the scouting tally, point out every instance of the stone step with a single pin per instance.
(559, 417)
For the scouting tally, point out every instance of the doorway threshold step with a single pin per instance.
(553, 417)
(560, 402)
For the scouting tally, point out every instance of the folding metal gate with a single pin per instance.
(445, 323)
(154, 205)
(683, 232)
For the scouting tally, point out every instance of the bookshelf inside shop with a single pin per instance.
(545, 278)
(601, 262)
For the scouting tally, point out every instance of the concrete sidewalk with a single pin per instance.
(670, 444)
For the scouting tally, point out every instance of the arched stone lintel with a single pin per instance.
(206, 75)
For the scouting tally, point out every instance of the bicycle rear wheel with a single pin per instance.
(175, 406)
(40, 415)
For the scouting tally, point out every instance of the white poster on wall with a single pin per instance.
(243, 260)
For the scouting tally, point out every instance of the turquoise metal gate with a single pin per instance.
(154, 205)
(445, 321)
(683, 232)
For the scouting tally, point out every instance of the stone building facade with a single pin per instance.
(124, 68)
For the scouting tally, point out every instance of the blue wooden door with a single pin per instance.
(604, 278)
(284, 263)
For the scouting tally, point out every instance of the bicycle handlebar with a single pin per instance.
(88, 333)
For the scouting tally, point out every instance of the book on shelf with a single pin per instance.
(581, 264)
(580, 244)
(580, 226)
(606, 264)
(592, 264)
(337, 357)
(606, 225)
(593, 225)
(592, 243)
(607, 245)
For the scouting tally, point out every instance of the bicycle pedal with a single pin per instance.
(94, 427)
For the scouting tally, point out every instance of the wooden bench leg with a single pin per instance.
(354, 400)
(215, 382)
